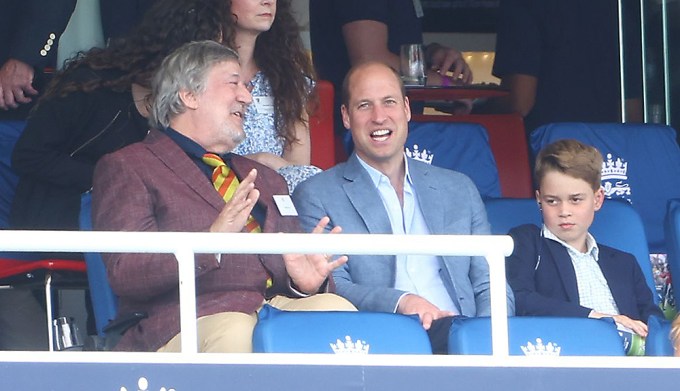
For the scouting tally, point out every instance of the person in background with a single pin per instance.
(345, 33)
(559, 269)
(97, 105)
(119, 17)
(179, 179)
(560, 61)
(279, 74)
(380, 191)
(29, 34)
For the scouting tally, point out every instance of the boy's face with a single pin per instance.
(568, 206)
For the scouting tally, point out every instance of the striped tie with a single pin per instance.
(225, 183)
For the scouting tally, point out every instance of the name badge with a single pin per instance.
(263, 104)
(285, 205)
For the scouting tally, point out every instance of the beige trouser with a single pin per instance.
(232, 332)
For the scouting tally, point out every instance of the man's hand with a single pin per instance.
(444, 59)
(309, 271)
(16, 84)
(637, 326)
(427, 312)
(234, 215)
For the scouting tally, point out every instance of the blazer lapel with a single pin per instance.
(181, 165)
(565, 269)
(365, 197)
(611, 273)
(430, 198)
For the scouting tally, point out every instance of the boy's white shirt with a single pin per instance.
(593, 289)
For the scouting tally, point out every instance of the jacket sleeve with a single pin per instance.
(479, 266)
(43, 151)
(122, 201)
(43, 18)
(309, 202)
(522, 276)
(643, 296)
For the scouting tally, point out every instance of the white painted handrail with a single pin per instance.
(185, 244)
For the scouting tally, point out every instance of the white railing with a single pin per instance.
(184, 245)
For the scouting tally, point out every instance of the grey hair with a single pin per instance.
(185, 69)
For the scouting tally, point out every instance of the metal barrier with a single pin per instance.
(185, 244)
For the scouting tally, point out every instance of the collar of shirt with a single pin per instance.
(194, 150)
(591, 244)
(377, 176)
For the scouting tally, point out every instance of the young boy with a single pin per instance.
(559, 269)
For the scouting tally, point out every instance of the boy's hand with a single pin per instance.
(636, 326)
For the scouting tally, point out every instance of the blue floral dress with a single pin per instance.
(261, 133)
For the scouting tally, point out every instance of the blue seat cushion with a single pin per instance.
(338, 332)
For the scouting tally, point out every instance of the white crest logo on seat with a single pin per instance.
(615, 178)
(350, 347)
(424, 156)
(539, 349)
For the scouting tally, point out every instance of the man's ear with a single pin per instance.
(407, 108)
(345, 116)
(537, 194)
(599, 198)
(189, 99)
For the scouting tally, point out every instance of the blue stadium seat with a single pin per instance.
(616, 225)
(506, 213)
(104, 301)
(539, 336)
(339, 332)
(110, 324)
(642, 166)
(658, 342)
(9, 134)
(463, 147)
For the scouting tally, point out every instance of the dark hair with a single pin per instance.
(166, 26)
(572, 158)
(281, 56)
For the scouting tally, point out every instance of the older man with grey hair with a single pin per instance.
(183, 178)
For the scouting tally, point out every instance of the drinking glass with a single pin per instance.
(412, 64)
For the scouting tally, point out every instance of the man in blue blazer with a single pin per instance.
(380, 191)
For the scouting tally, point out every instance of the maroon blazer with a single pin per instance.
(154, 186)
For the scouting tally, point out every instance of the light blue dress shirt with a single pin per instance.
(417, 274)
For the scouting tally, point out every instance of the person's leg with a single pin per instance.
(318, 302)
(226, 332)
(439, 335)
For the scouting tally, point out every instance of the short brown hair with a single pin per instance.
(570, 157)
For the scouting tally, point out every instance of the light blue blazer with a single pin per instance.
(451, 205)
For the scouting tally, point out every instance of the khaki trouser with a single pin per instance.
(232, 332)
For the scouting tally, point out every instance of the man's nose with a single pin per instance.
(378, 114)
(243, 95)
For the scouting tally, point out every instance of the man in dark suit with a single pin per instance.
(29, 31)
(163, 184)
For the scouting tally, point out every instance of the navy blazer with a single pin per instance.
(550, 289)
